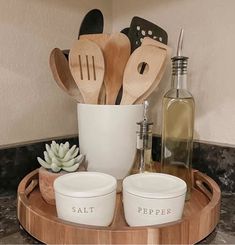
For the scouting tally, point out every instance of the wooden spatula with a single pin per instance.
(116, 54)
(150, 41)
(86, 63)
(136, 84)
(62, 75)
(100, 40)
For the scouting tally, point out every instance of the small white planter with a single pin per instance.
(86, 198)
(153, 198)
(107, 136)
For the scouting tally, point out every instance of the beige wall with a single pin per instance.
(209, 42)
(32, 107)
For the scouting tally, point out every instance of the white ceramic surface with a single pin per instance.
(153, 198)
(86, 198)
(107, 136)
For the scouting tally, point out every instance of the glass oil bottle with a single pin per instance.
(178, 123)
(143, 159)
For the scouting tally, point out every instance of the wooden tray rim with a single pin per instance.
(197, 177)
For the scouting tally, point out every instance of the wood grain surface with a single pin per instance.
(101, 40)
(149, 41)
(62, 75)
(136, 83)
(201, 215)
(86, 63)
(116, 54)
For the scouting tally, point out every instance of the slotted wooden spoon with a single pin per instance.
(116, 54)
(86, 63)
(150, 41)
(62, 75)
(100, 40)
(136, 84)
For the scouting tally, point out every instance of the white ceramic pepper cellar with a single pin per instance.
(153, 198)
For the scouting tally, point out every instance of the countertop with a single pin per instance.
(12, 233)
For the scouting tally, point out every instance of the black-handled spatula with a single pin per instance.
(93, 23)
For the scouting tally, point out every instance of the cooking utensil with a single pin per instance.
(154, 85)
(86, 63)
(119, 96)
(116, 55)
(62, 75)
(136, 84)
(150, 41)
(141, 28)
(100, 40)
(125, 31)
(92, 23)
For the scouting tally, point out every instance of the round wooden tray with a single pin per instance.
(201, 215)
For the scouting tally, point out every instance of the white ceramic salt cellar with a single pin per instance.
(153, 198)
(86, 198)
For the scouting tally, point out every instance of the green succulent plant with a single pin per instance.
(61, 157)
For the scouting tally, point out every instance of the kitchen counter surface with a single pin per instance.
(11, 233)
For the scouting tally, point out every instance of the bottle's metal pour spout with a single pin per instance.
(146, 107)
(145, 126)
(180, 43)
(179, 62)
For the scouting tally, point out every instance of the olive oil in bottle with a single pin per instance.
(178, 123)
(143, 158)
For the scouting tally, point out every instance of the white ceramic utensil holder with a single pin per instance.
(107, 136)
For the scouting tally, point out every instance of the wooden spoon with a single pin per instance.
(150, 41)
(116, 54)
(86, 63)
(136, 84)
(100, 40)
(62, 75)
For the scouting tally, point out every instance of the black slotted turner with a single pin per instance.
(141, 28)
